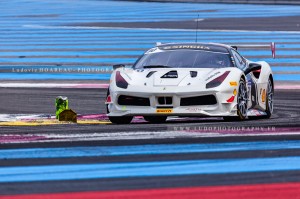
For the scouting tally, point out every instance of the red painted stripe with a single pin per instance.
(259, 191)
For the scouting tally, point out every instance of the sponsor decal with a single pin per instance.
(234, 92)
(213, 75)
(185, 47)
(263, 96)
(165, 111)
(193, 109)
(170, 74)
(233, 83)
(231, 99)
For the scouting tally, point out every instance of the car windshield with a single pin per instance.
(184, 59)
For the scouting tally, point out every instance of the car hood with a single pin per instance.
(171, 76)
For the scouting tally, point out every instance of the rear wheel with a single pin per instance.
(155, 119)
(118, 120)
(242, 101)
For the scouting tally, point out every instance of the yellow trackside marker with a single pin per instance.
(233, 83)
(31, 123)
(50, 122)
(234, 92)
(165, 111)
(263, 96)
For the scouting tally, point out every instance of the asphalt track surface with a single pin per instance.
(290, 23)
(91, 101)
(179, 166)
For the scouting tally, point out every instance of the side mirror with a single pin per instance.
(118, 66)
(252, 67)
(235, 47)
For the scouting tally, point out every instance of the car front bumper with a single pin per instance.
(221, 108)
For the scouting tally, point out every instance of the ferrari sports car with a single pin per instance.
(191, 80)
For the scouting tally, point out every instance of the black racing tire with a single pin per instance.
(106, 105)
(231, 118)
(121, 119)
(269, 100)
(155, 119)
(242, 99)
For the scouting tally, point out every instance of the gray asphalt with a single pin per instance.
(91, 101)
(290, 23)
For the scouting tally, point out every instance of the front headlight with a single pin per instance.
(120, 81)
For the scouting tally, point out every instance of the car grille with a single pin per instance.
(133, 101)
(199, 100)
(164, 100)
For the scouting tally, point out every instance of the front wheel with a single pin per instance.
(242, 101)
(269, 100)
(155, 119)
(120, 120)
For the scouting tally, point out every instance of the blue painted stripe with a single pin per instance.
(285, 69)
(82, 76)
(112, 11)
(287, 77)
(141, 32)
(153, 40)
(83, 51)
(60, 53)
(40, 68)
(105, 44)
(70, 60)
(146, 36)
(60, 45)
(100, 151)
(145, 169)
(45, 76)
(60, 69)
(148, 10)
(101, 68)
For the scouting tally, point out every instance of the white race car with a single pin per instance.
(190, 79)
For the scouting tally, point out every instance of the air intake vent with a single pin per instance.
(199, 100)
(165, 100)
(150, 74)
(171, 74)
(193, 74)
(133, 101)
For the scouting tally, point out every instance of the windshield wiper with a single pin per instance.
(157, 66)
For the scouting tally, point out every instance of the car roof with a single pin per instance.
(214, 47)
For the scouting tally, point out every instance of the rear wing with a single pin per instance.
(272, 46)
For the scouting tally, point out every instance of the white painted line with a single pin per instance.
(287, 87)
(18, 117)
(198, 20)
(51, 85)
(139, 135)
(165, 29)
